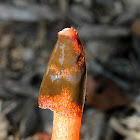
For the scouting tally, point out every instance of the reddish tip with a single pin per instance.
(69, 32)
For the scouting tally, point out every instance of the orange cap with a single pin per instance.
(63, 85)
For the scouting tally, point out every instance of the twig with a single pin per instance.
(28, 13)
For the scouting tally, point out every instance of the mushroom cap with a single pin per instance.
(63, 85)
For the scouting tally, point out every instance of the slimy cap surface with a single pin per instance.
(63, 86)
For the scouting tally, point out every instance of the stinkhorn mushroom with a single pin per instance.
(63, 86)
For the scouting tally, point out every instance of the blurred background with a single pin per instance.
(110, 33)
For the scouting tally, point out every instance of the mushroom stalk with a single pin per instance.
(65, 128)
